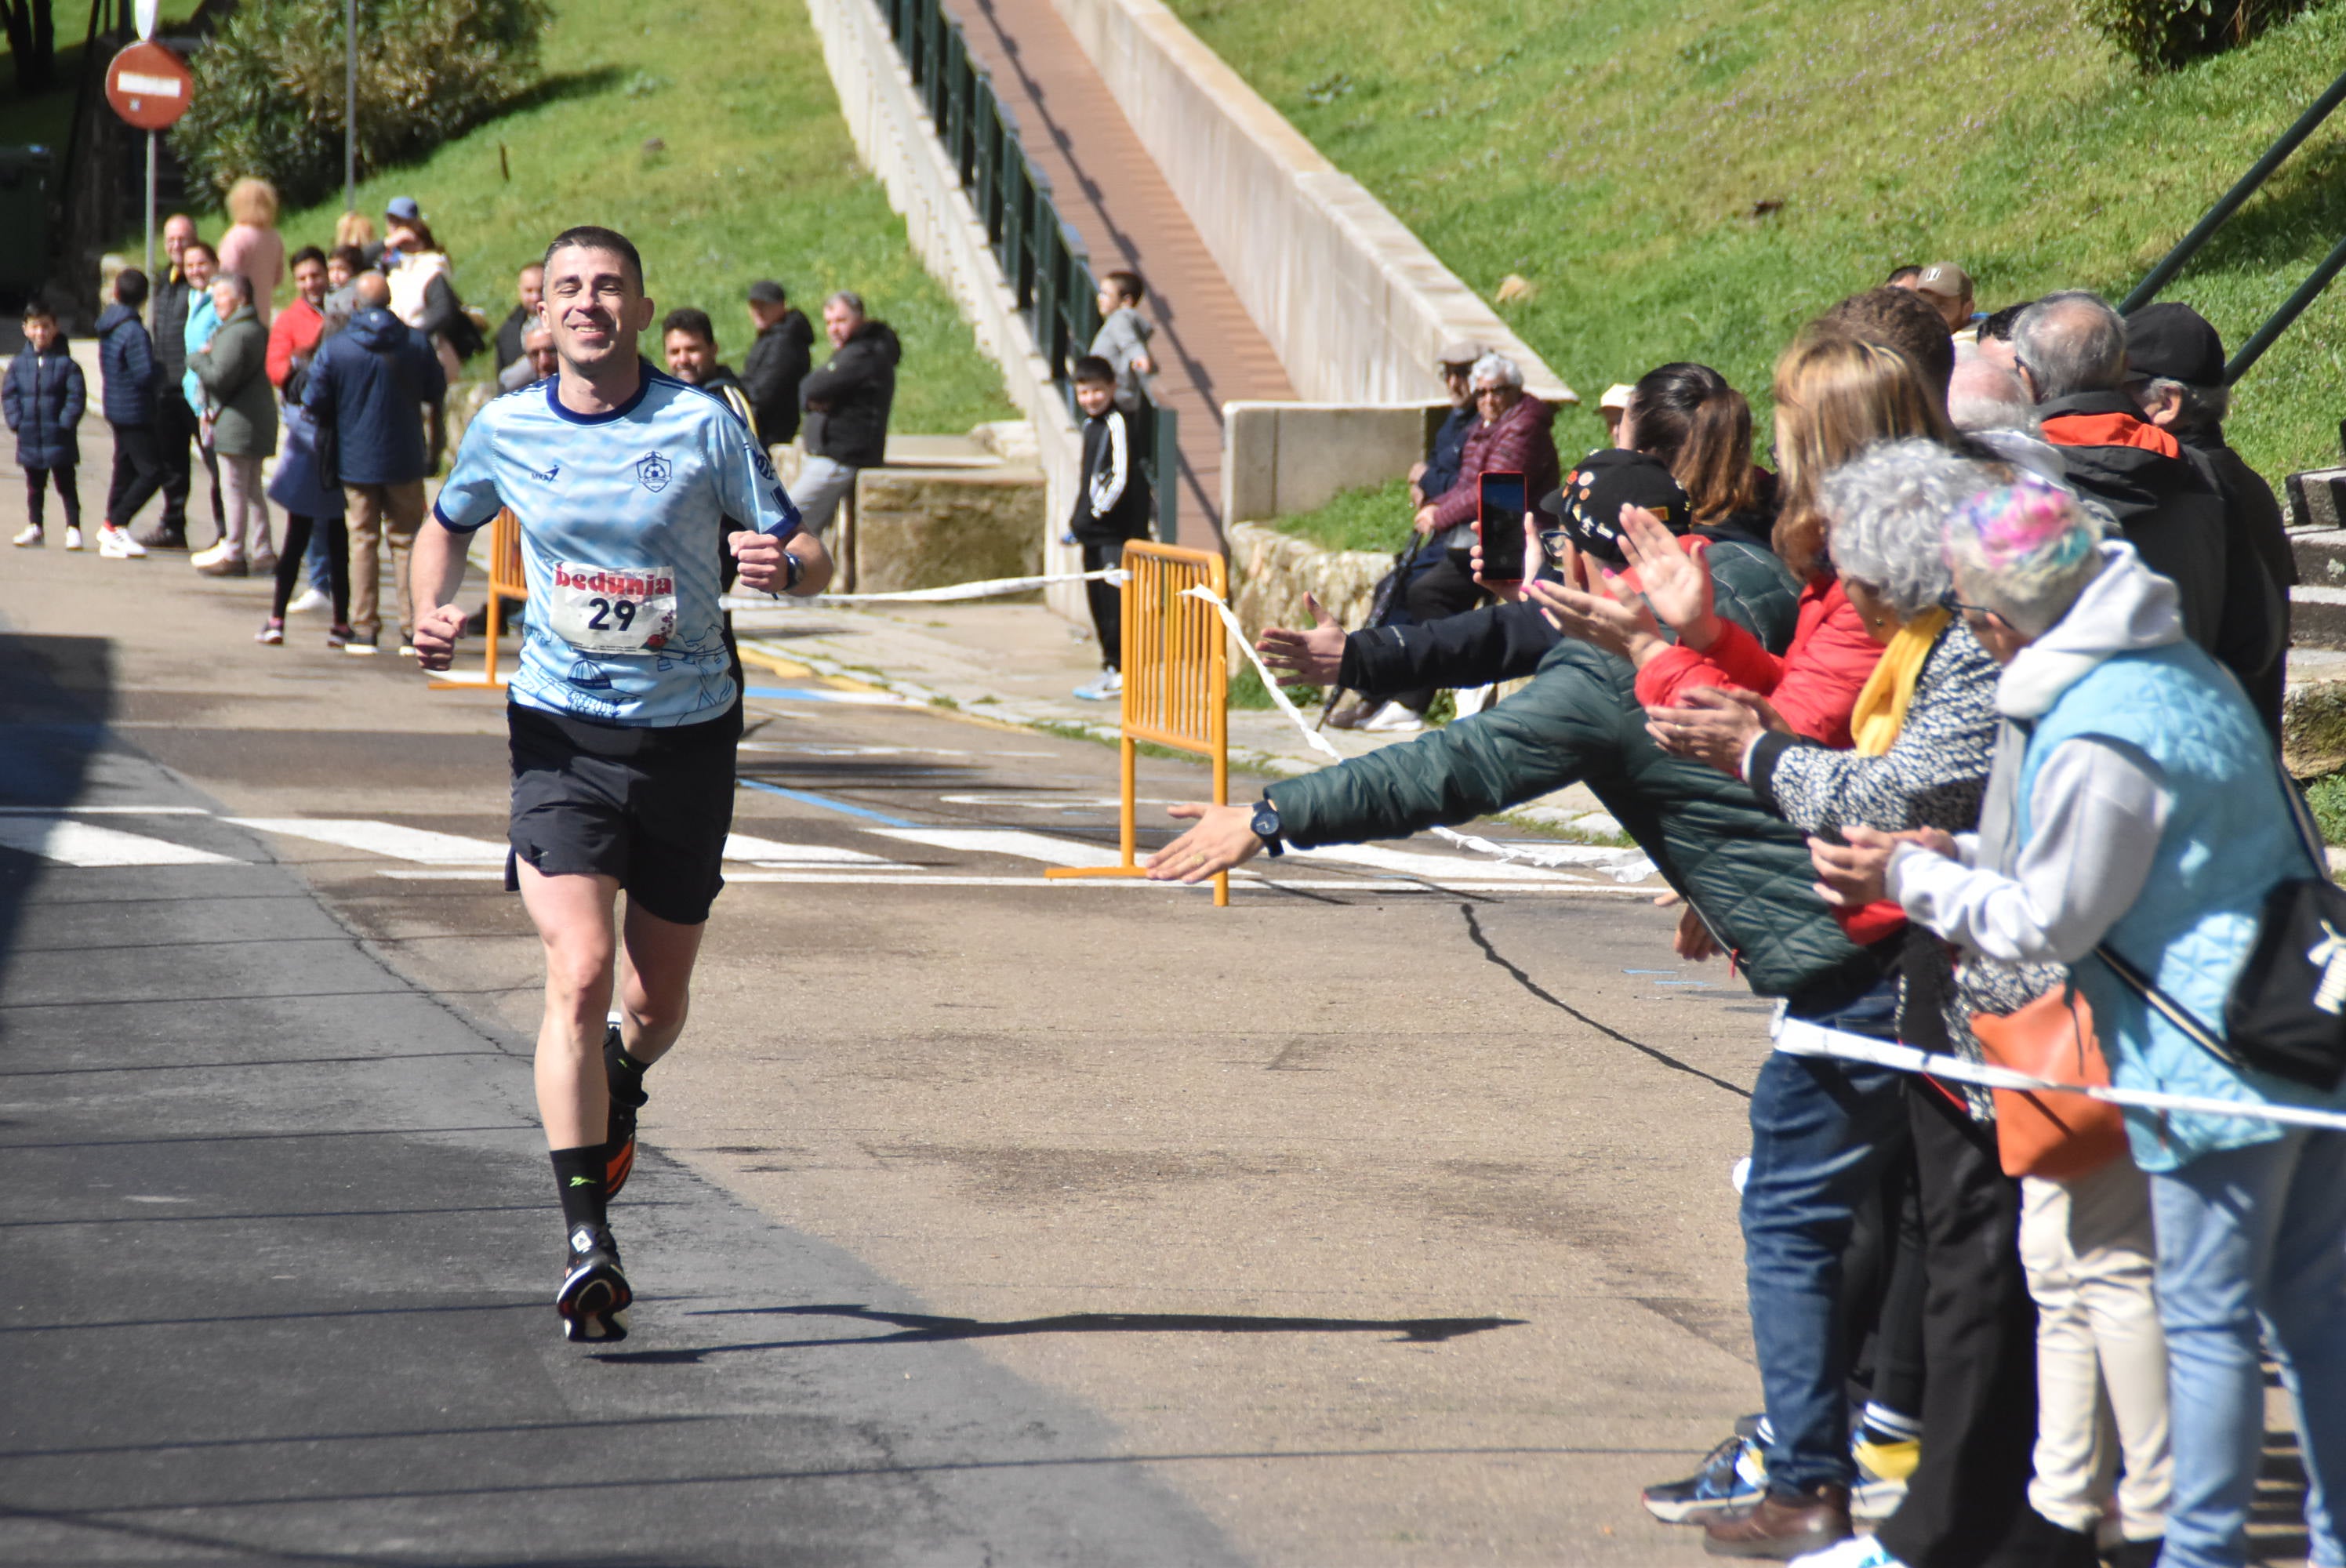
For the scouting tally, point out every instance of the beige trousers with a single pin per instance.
(379, 513)
(244, 502)
(2101, 1356)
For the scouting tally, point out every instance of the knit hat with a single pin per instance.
(1590, 505)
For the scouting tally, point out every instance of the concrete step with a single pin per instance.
(2317, 616)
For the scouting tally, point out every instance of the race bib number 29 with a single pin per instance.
(613, 609)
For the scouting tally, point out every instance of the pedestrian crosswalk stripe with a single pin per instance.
(1015, 842)
(419, 845)
(1444, 868)
(73, 843)
(773, 852)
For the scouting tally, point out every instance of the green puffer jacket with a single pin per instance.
(234, 370)
(1745, 869)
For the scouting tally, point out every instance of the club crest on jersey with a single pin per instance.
(655, 470)
(546, 477)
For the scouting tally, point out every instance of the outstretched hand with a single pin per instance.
(1312, 658)
(1222, 839)
(1676, 582)
(1713, 723)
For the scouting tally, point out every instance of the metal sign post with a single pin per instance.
(350, 106)
(150, 204)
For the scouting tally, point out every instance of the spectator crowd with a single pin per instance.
(333, 408)
(1956, 728)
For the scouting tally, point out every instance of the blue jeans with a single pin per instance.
(2244, 1235)
(1819, 1132)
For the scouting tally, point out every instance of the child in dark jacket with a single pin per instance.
(130, 375)
(1111, 505)
(43, 397)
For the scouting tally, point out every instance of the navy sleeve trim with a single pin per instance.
(453, 526)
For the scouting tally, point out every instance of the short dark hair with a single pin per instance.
(1905, 273)
(1128, 286)
(592, 237)
(766, 291)
(307, 253)
(1903, 321)
(1998, 327)
(38, 309)
(349, 256)
(687, 320)
(1094, 370)
(130, 288)
(199, 244)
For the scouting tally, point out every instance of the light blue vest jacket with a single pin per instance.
(2229, 838)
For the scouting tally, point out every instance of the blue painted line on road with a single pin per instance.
(806, 799)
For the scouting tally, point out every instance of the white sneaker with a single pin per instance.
(1393, 719)
(117, 545)
(1854, 1551)
(308, 602)
(1109, 684)
(29, 538)
(73, 538)
(212, 556)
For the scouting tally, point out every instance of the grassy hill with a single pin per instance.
(1692, 181)
(707, 132)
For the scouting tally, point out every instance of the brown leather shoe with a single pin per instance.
(1784, 1524)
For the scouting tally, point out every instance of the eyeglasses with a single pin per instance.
(1554, 543)
(1953, 605)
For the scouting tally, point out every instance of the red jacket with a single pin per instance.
(1519, 442)
(1814, 685)
(295, 331)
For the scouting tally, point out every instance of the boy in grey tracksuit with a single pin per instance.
(1122, 338)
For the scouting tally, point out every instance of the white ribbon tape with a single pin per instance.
(1633, 868)
(1797, 1037)
(989, 588)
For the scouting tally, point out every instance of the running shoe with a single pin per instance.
(220, 561)
(1733, 1475)
(594, 1298)
(1109, 684)
(308, 602)
(1393, 719)
(117, 545)
(271, 632)
(626, 1101)
(30, 539)
(359, 646)
(73, 538)
(1883, 1469)
(339, 635)
(1855, 1552)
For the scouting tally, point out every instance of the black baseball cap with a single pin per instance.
(2175, 342)
(766, 291)
(1590, 505)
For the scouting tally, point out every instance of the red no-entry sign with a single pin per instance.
(149, 87)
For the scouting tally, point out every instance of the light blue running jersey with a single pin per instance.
(623, 518)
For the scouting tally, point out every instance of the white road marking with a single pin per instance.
(73, 843)
(773, 852)
(1441, 868)
(1239, 881)
(1045, 803)
(417, 844)
(1015, 842)
(103, 811)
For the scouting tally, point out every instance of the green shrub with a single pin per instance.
(2165, 34)
(2328, 799)
(269, 98)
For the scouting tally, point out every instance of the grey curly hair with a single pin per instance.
(1887, 508)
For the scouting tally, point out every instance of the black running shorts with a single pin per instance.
(649, 807)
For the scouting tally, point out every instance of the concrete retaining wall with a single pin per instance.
(901, 147)
(1271, 572)
(1280, 458)
(1353, 302)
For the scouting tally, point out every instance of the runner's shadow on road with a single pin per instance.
(919, 1328)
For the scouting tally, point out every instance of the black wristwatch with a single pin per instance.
(791, 571)
(1265, 824)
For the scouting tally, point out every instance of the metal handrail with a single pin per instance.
(1042, 258)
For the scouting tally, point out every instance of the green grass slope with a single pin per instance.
(754, 177)
(1693, 180)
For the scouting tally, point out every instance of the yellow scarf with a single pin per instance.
(1881, 710)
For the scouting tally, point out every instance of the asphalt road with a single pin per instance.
(1383, 1218)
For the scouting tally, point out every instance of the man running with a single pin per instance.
(632, 489)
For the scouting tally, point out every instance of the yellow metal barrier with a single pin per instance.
(1177, 683)
(508, 580)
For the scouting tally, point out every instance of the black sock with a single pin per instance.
(624, 1073)
(578, 1174)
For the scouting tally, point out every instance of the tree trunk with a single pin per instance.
(17, 17)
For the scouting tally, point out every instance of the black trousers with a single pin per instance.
(1882, 1285)
(290, 554)
(1967, 1502)
(175, 430)
(69, 483)
(1444, 589)
(1105, 599)
(138, 472)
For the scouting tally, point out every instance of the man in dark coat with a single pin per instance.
(847, 403)
(529, 287)
(175, 421)
(2071, 351)
(367, 391)
(777, 364)
(2174, 369)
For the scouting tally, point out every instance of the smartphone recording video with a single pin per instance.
(1499, 522)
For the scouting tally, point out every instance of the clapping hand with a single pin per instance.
(1715, 725)
(1853, 873)
(1677, 581)
(1597, 609)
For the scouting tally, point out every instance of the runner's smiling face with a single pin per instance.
(594, 309)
